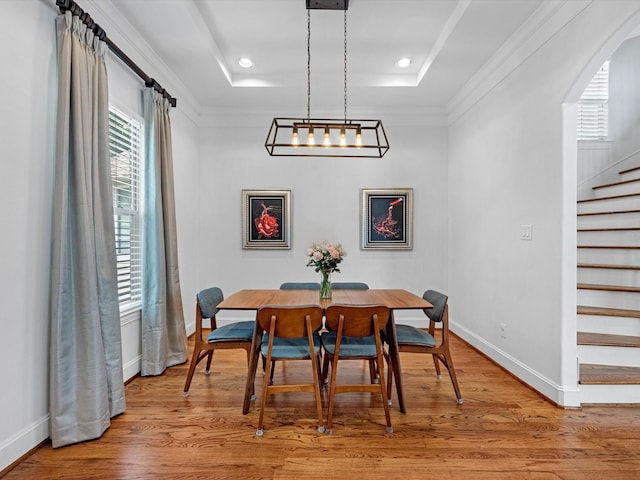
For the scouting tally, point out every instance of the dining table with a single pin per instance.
(253, 299)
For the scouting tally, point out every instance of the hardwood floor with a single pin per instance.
(503, 430)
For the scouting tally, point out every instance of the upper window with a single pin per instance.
(126, 149)
(593, 107)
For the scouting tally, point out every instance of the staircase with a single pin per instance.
(609, 292)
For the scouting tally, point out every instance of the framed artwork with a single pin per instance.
(266, 219)
(387, 219)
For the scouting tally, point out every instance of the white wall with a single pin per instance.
(27, 56)
(325, 197)
(28, 59)
(505, 170)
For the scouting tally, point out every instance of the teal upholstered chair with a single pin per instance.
(353, 333)
(233, 335)
(300, 286)
(416, 340)
(291, 333)
(349, 286)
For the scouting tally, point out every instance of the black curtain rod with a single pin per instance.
(75, 9)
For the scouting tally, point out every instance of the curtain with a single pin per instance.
(86, 386)
(164, 337)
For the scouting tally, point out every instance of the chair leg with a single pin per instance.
(332, 392)
(265, 391)
(325, 369)
(273, 368)
(383, 393)
(447, 361)
(253, 387)
(315, 367)
(437, 365)
(390, 374)
(207, 370)
(195, 358)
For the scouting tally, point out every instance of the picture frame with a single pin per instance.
(266, 219)
(387, 219)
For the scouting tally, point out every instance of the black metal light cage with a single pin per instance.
(317, 137)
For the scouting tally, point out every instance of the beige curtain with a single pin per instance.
(164, 338)
(86, 385)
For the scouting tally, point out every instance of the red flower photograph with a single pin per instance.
(266, 218)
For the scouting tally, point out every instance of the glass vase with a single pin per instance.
(325, 285)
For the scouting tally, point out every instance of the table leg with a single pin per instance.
(253, 365)
(394, 353)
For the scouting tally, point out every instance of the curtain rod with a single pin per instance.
(75, 9)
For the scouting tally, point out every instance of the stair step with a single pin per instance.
(613, 212)
(607, 340)
(605, 229)
(612, 247)
(608, 288)
(612, 197)
(591, 374)
(621, 187)
(607, 312)
(629, 170)
(609, 266)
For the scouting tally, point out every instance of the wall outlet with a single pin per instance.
(503, 330)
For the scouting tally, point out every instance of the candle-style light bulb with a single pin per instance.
(359, 137)
(310, 140)
(294, 136)
(327, 137)
(343, 137)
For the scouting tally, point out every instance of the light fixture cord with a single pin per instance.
(345, 66)
(308, 65)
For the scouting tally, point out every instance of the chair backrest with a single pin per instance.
(439, 302)
(358, 319)
(290, 321)
(349, 286)
(208, 301)
(300, 286)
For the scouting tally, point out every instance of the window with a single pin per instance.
(593, 107)
(127, 160)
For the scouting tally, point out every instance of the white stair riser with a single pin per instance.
(609, 394)
(609, 276)
(612, 325)
(610, 238)
(616, 220)
(614, 190)
(610, 205)
(614, 256)
(630, 175)
(602, 298)
(625, 356)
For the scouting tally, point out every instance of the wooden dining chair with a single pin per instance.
(416, 340)
(349, 286)
(291, 333)
(231, 336)
(353, 333)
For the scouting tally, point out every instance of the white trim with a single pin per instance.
(567, 396)
(23, 441)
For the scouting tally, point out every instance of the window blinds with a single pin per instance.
(593, 107)
(126, 152)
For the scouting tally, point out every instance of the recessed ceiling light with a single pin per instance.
(245, 62)
(404, 62)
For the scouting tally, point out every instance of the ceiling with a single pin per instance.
(450, 42)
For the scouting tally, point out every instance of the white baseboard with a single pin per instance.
(561, 395)
(23, 441)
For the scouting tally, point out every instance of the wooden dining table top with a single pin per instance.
(253, 299)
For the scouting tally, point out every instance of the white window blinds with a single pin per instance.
(593, 107)
(126, 149)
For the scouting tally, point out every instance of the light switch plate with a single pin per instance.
(526, 232)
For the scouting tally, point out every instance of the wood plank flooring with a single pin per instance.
(503, 430)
